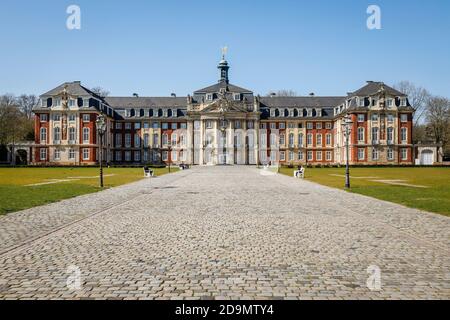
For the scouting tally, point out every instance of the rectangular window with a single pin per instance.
(237, 124)
(127, 126)
(389, 103)
(282, 156)
(127, 155)
(119, 125)
(309, 139)
(282, 139)
(71, 154)
(43, 154)
(300, 155)
(237, 96)
(291, 156)
(174, 139)
(404, 135)
(183, 125)
(319, 155)
(86, 135)
(319, 125)
(361, 153)
(360, 134)
(57, 154)
(273, 125)
(404, 153)
(72, 117)
(264, 126)
(209, 124)
(375, 154)
(282, 125)
(361, 117)
(250, 125)
(137, 125)
(86, 117)
(374, 117)
(404, 117)
(146, 125)
(155, 140)
(146, 140)
(390, 117)
(165, 155)
(43, 117)
(57, 117)
(127, 140)
(146, 156)
(85, 154)
(137, 156)
(71, 103)
(375, 138)
(118, 140)
(309, 126)
(309, 155)
(390, 135)
(328, 156)
(155, 125)
(390, 154)
(165, 139)
(328, 125)
(318, 139)
(328, 139)
(119, 156)
(403, 102)
(43, 135)
(209, 97)
(300, 140)
(174, 155)
(137, 141)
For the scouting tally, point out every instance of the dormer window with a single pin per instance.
(272, 113)
(361, 102)
(237, 96)
(403, 102)
(43, 103)
(209, 97)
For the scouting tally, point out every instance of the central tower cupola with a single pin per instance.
(224, 67)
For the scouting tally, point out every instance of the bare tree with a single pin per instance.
(27, 103)
(283, 93)
(418, 98)
(100, 92)
(438, 116)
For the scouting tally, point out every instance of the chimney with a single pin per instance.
(273, 94)
(135, 95)
(173, 95)
(312, 94)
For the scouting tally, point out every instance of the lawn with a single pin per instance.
(434, 195)
(22, 188)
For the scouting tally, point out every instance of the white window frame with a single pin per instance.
(86, 153)
(86, 117)
(43, 154)
(318, 155)
(72, 154)
(404, 154)
(361, 153)
(43, 135)
(86, 135)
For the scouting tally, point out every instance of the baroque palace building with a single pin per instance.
(224, 124)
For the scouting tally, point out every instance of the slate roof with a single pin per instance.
(311, 101)
(142, 102)
(73, 88)
(216, 88)
(372, 87)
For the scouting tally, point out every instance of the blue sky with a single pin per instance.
(158, 47)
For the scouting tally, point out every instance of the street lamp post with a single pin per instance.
(347, 130)
(169, 156)
(101, 129)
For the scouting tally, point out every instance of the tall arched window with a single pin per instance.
(132, 113)
(43, 135)
(300, 139)
(291, 139)
(85, 135)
